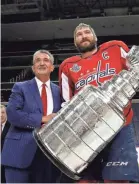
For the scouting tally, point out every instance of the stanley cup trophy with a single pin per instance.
(84, 126)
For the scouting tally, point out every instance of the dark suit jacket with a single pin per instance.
(24, 112)
(4, 132)
(3, 135)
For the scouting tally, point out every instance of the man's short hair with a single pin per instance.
(82, 25)
(45, 52)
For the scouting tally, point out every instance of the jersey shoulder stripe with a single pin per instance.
(72, 59)
(114, 43)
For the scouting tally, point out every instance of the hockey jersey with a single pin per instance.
(76, 72)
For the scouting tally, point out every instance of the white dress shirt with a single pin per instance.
(49, 94)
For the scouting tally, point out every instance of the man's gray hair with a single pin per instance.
(82, 25)
(46, 52)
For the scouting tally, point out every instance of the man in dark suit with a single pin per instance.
(32, 104)
(4, 129)
(4, 124)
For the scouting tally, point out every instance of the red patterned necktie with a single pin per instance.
(44, 99)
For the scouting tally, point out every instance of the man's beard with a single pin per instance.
(88, 48)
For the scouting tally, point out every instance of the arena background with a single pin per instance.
(29, 25)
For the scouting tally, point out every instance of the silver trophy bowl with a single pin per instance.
(85, 125)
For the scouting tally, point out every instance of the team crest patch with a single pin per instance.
(75, 68)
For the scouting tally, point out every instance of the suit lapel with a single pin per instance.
(5, 130)
(35, 92)
(54, 96)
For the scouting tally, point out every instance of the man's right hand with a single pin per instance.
(45, 119)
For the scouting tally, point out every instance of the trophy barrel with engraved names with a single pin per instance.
(85, 125)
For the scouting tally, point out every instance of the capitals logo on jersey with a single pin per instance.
(96, 76)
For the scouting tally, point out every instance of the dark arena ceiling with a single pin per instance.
(24, 20)
(39, 10)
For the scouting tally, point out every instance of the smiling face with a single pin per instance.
(84, 39)
(42, 65)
